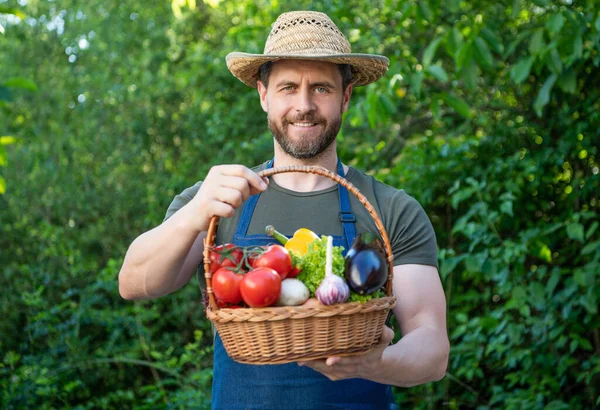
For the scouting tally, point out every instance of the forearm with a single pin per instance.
(421, 356)
(154, 261)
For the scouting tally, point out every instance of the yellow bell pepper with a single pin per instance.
(298, 244)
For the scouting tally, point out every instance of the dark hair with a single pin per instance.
(265, 71)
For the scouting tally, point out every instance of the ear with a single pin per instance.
(262, 92)
(346, 97)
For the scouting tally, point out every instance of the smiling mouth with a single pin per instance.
(304, 124)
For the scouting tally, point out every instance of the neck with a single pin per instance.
(304, 182)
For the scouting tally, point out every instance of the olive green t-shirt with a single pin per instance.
(409, 230)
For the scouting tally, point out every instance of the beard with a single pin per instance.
(308, 147)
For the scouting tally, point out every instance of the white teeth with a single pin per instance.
(303, 124)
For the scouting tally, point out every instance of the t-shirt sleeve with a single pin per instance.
(183, 198)
(411, 234)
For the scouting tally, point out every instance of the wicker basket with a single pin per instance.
(276, 335)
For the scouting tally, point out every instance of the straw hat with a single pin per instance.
(307, 35)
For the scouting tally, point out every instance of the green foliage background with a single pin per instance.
(489, 116)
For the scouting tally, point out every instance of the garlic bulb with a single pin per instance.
(333, 289)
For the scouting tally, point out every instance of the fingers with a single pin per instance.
(256, 183)
(224, 189)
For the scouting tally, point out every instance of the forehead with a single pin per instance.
(295, 70)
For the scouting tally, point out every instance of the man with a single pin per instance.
(305, 80)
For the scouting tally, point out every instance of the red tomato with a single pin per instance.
(260, 287)
(226, 255)
(226, 286)
(277, 258)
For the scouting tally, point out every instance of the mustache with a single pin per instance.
(304, 118)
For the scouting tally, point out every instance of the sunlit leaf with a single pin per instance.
(520, 71)
(21, 83)
(7, 139)
(13, 11)
(2, 185)
(543, 97)
(3, 158)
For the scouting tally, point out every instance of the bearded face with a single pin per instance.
(306, 135)
(304, 102)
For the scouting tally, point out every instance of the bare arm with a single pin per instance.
(422, 354)
(164, 259)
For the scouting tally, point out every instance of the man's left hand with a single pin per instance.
(349, 367)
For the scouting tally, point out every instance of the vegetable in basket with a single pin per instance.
(298, 243)
(365, 264)
(333, 289)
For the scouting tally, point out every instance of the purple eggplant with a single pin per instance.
(366, 269)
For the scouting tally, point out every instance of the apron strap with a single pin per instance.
(248, 211)
(346, 216)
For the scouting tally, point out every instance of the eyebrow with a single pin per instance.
(326, 84)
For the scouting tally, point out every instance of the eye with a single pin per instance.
(321, 90)
(287, 88)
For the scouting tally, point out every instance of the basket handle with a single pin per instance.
(212, 227)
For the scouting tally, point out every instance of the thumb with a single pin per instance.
(387, 336)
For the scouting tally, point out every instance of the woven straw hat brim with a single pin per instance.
(366, 68)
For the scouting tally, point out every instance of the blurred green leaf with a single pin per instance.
(438, 72)
(493, 40)
(458, 104)
(520, 71)
(469, 74)
(543, 96)
(536, 43)
(555, 23)
(568, 81)
(575, 232)
(21, 83)
(482, 53)
(430, 51)
(554, 62)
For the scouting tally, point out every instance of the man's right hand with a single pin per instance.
(223, 190)
(164, 259)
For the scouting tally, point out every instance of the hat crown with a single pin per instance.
(306, 33)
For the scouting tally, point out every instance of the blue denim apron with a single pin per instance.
(238, 386)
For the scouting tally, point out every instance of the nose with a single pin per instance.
(304, 102)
